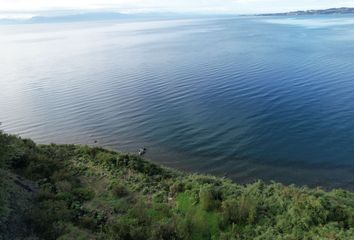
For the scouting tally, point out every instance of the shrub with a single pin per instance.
(88, 222)
(19, 158)
(119, 190)
(4, 201)
(63, 186)
(72, 232)
(44, 194)
(124, 228)
(177, 187)
(61, 175)
(185, 227)
(209, 198)
(123, 160)
(41, 167)
(165, 229)
(159, 197)
(106, 158)
(4, 144)
(239, 211)
(193, 226)
(151, 169)
(46, 216)
(83, 194)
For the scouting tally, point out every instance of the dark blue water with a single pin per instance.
(250, 97)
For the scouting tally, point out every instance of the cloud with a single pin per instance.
(207, 6)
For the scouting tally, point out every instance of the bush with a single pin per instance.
(63, 186)
(72, 232)
(41, 167)
(176, 188)
(83, 194)
(106, 158)
(46, 216)
(4, 201)
(88, 222)
(209, 198)
(4, 144)
(124, 228)
(61, 175)
(119, 190)
(239, 211)
(193, 226)
(164, 230)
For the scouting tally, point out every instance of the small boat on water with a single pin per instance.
(142, 151)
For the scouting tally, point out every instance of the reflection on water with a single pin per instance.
(314, 22)
(245, 96)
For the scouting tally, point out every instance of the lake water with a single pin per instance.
(247, 97)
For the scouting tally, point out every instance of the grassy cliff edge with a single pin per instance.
(80, 192)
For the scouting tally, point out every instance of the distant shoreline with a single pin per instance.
(330, 11)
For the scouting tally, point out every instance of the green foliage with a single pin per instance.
(119, 190)
(82, 194)
(5, 152)
(4, 144)
(106, 158)
(176, 188)
(209, 198)
(240, 211)
(4, 199)
(165, 229)
(71, 232)
(93, 193)
(47, 215)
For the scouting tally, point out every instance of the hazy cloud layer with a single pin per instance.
(29, 7)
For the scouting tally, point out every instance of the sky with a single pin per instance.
(28, 8)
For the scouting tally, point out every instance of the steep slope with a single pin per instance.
(92, 193)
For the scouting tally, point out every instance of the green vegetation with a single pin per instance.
(79, 192)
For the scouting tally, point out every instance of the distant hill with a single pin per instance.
(85, 17)
(73, 17)
(94, 16)
(80, 17)
(314, 12)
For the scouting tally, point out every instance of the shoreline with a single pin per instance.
(311, 176)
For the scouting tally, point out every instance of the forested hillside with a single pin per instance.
(80, 192)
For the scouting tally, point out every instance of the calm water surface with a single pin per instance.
(250, 97)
